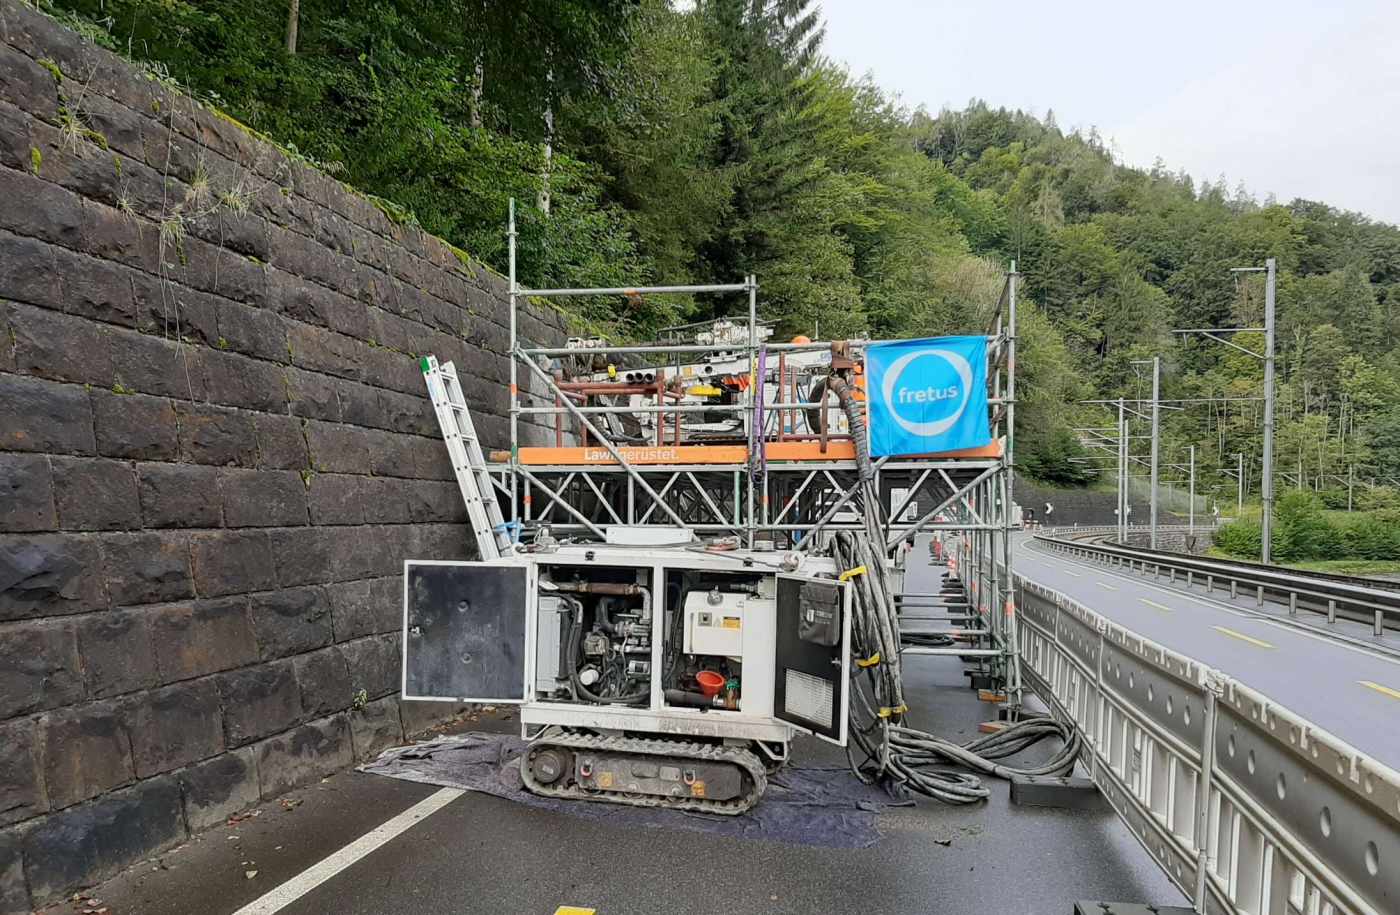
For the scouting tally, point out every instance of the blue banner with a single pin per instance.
(927, 396)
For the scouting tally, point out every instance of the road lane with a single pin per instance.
(1329, 682)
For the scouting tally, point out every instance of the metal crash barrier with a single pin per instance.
(1246, 806)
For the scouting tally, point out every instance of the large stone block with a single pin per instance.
(216, 435)
(409, 414)
(337, 499)
(92, 288)
(303, 755)
(304, 556)
(435, 501)
(281, 442)
(393, 455)
(232, 562)
(253, 331)
(14, 891)
(95, 494)
(290, 621)
(216, 789)
(174, 726)
(157, 365)
(329, 352)
(39, 668)
(27, 269)
(263, 498)
(366, 607)
(386, 500)
(49, 575)
(21, 788)
(134, 426)
(259, 701)
(60, 347)
(117, 651)
(40, 415)
(356, 552)
(85, 751)
(147, 568)
(179, 495)
(52, 214)
(337, 448)
(374, 663)
(88, 843)
(27, 85)
(203, 637)
(239, 381)
(375, 727)
(174, 312)
(324, 682)
(312, 395)
(26, 493)
(359, 405)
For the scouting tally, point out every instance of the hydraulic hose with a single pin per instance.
(896, 753)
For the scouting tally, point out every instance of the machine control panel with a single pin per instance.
(714, 622)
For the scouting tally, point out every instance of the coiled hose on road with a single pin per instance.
(893, 751)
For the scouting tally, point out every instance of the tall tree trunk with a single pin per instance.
(293, 15)
(542, 201)
(478, 87)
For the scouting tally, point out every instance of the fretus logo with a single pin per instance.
(933, 382)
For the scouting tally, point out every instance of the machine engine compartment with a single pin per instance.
(607, 636)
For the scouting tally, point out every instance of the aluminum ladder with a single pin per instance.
(468, 463)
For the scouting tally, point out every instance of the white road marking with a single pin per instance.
(1106, 587)
(1258, 643)
(1070, 573)
(1156, 606)
(277, 899)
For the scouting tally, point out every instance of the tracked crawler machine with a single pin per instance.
(706, 561)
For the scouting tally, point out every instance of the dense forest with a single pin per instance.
(701, 142)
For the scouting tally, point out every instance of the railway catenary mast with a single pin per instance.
(702, 554)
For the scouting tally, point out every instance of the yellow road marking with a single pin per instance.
(1156, 606)
(1392, 693)
(573, 910)
(1105, 587)
(1258, 643)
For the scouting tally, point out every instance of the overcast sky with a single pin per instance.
(1297, 99)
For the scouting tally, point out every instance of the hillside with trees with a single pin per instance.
(647, 142)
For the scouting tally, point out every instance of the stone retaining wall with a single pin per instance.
(215, 454)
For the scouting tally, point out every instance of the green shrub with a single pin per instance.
(1240, 538)
(1372, 537)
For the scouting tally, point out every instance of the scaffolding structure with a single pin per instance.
(788, 475)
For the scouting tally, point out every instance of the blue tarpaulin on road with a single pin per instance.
(823, 806)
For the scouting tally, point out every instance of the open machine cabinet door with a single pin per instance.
(464, 631)
(812, 656)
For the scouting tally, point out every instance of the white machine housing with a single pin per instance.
(487, 632)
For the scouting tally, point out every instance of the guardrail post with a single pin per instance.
(1331, 610)
(1210, 582)
(1379, 623)
(1171, 575)
(1234, 589)
(1213, 689)
(1189, 576)
(1292, 603)
(1259, 602)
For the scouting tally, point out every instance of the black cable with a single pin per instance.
(896, 753)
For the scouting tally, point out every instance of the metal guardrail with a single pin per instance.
(1249, 808)
(1380, 607)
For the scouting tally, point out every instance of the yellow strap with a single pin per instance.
(870, 661)
(886, 711)
(851, 573)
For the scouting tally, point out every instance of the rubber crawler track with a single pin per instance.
(575, 741)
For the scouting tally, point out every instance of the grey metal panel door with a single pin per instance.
(810, 666)
(464, 631)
